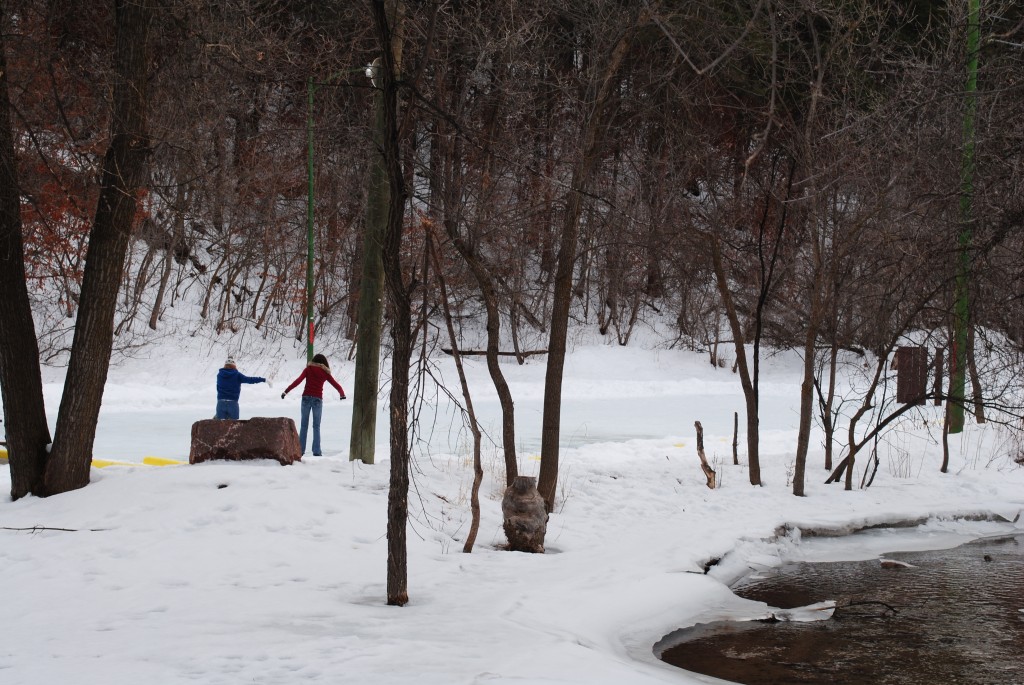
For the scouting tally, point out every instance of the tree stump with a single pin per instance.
(526, 519)
(709, 472)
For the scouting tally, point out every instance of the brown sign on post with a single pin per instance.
(911, 364)
(939, 375)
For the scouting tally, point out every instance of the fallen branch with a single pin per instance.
(36, 529)
(483, 353)
(837, 474)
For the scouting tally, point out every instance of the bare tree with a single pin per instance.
(474, 426)
(66, 467)
(399, 308)
(20, 379)
(598, 107)
(124, 170)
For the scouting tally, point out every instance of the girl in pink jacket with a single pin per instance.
(316, 374)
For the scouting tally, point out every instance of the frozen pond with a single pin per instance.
(132, 434)
(949, 616)
(610, 394)
(141, 421)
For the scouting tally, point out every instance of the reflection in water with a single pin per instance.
(955, 616)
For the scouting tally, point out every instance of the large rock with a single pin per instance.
(526, 518)
(255, 438)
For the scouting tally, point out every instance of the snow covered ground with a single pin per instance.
(256, 573)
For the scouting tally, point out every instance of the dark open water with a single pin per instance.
(956, 618)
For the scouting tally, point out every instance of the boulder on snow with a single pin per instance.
(526, 519)
(255, 438)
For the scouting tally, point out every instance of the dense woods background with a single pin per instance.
(761, 173)
(817, 145)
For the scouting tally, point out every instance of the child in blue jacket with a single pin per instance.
(229, 387)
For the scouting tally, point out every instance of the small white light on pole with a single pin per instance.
(373, 72)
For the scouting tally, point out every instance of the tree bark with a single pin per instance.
(124, 168)
(20, 378)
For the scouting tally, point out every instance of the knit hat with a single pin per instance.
(230, 361)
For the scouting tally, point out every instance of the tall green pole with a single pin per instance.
(961, 295)
(363, 438)
(309, 224)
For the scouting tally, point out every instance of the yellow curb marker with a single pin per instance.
(104, 463)
(161, 461)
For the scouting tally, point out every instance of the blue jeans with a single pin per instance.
(227, 409)
(315, 404)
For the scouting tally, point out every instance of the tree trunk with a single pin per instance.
(165, 277)
(803, 436)
(365, 382)
(972, 367)
(493, 324)
(399, 303)
(123, 174)
(474, 426)
(735, 438)
(945, 439)
(20, 379)
(449, 165)
(828, 418)
(215, 278)
(133, 296)
(749, 392)
(593, 134)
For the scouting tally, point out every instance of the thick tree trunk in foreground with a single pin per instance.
(124, 169)
(20, 380)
